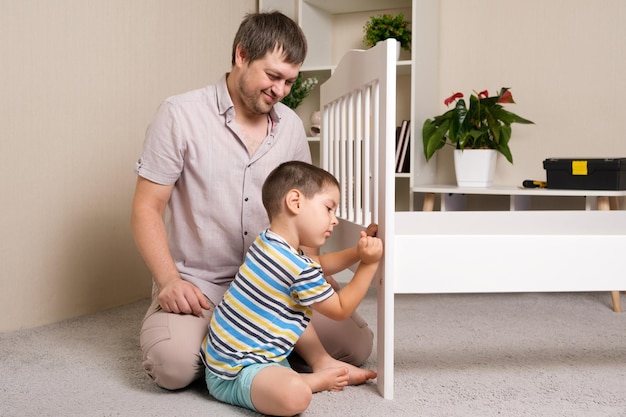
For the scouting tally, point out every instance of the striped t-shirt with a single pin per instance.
(266, 308)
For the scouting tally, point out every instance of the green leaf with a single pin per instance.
(457, 125)
(433, 137)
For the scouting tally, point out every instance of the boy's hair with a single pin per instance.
(306, 178)
(260, 33)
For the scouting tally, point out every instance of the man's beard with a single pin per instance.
(254, 100)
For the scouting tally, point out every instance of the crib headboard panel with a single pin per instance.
(358, 147)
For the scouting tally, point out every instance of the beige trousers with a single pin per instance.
(170, 344)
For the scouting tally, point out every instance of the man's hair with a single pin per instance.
(260, 33)
(306, 178)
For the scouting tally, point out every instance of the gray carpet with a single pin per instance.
(456, 355)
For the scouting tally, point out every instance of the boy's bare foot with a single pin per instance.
(329, 379)
(356, 375)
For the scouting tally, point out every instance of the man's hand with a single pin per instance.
(182, 297)
(369, 249)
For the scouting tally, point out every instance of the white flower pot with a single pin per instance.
(316, 123)
(398, 48)
(475, 167)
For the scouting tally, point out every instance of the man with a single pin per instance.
(205, 158)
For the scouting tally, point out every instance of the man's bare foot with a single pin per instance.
(329, 379)
(356, 375)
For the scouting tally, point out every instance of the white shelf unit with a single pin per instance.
(328, 27)
(333, 27)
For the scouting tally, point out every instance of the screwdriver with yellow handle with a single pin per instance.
(534, 184)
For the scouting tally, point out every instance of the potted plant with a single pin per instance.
(485, 125)
(299, 91)
(386, 26)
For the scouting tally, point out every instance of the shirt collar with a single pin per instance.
(224, 102)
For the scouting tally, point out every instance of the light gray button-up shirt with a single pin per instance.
(215, 211)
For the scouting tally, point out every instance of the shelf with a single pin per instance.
(351, 6)
(453, 198)
(404, 68)
(319, 68)
(512, 190)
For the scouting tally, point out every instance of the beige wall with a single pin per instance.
(79, 82)
(81, 79)
(564, 61)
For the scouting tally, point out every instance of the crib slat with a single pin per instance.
(350, 156)
(358, 166)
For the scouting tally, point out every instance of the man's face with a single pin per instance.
(266, 81)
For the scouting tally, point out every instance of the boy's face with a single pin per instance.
(317, 217)
(266, 81)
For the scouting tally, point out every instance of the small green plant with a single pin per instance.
(386, 26)
(484, 125)
(299, 91)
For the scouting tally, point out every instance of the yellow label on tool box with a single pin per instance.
(579, 168)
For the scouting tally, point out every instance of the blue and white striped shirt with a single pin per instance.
(266, 308)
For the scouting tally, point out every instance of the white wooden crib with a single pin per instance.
(531, 251)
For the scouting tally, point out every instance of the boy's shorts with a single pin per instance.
(237, 391)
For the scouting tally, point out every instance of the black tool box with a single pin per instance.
(586, 174)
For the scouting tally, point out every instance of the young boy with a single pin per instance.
(269, 304)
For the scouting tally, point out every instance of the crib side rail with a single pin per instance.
(358, 147)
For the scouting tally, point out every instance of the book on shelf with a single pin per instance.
(397, 145)
(403, 139)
